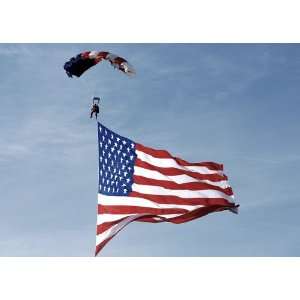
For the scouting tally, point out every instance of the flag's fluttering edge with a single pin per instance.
(138, 183)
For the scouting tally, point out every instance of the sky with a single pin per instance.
(236, 104)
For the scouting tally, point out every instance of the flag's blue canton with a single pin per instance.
(116, 163)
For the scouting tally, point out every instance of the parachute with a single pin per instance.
(83, 61)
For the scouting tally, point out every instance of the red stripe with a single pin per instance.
(191, 186)
(118, 60)
(127, 209)
(194, 214)
(197, 213)
(103, 54)
(165, 154)
(149, 219)
(105, 226)
(182, 201)
(101, 245)
(174, 172)
(85, 55)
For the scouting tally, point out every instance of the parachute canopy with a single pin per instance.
(83, 61)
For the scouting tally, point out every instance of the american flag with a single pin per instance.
(138, 183)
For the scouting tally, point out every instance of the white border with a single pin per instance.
(150, 21)
(149, 278)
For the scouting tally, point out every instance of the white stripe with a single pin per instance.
(157, 190)
(176, 178)
(103, 218)
(171, 163)
(93, 54)
(141, 202)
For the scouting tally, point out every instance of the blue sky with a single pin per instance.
(236, 104)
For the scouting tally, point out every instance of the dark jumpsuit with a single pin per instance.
(94, 109)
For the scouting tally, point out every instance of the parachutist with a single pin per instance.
(94, 109)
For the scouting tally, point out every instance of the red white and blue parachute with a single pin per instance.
(82, 62)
